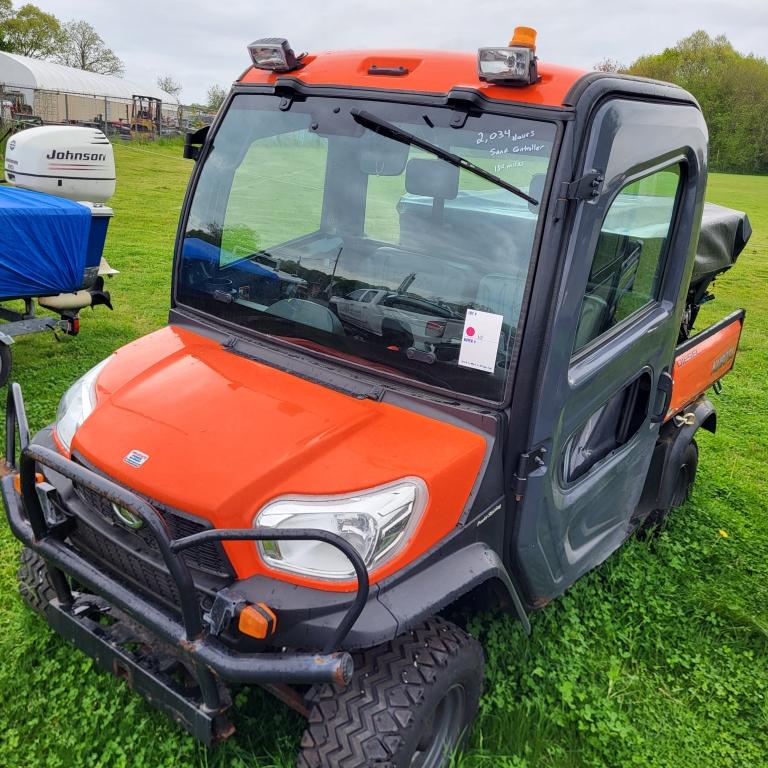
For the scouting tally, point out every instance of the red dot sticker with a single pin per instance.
(470, 331)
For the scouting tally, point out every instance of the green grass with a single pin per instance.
(658, 658)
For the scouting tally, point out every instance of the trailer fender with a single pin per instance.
(701, 414)
(5, 339)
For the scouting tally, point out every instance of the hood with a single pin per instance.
(224, 435)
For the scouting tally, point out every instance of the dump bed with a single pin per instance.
(703, 360)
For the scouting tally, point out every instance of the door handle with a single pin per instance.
(664, 388)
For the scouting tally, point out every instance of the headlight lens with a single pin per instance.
(376, 522)
(76, 405)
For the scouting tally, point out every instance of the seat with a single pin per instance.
(592, 320)
(502, 295)
(307, 313)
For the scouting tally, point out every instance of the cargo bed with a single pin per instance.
(702, 360)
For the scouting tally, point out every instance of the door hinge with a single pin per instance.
(588, 187)
(527, 464)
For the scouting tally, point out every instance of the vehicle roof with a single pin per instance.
(433, 72)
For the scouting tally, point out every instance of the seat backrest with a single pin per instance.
(592, 319)
(307, 313)
(502, 295)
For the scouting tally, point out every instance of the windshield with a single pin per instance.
(319, 230)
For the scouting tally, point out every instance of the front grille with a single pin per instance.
(126, 565)
(133, 557)
(207, 557)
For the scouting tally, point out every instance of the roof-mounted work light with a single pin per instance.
(273, 53)
(513, 65)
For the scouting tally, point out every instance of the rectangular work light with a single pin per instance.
(273, 53)
(514, 64)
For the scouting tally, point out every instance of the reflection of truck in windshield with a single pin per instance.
(400, 319)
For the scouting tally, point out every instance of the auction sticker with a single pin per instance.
(480, 340)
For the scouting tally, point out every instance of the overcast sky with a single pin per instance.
(201, 43)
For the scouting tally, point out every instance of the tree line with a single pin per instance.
(731, 87)
(30, 31)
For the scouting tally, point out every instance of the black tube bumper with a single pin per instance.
(203, 649)
(38, 517)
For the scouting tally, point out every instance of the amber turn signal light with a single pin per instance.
(257, 621)
(525, 37)
(17, 481)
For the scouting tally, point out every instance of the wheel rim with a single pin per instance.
(443, 730)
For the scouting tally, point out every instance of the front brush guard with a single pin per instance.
(187, 633)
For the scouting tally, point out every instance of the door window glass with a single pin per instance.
(628, 262)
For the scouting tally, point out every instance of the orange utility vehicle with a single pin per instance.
(422, 349)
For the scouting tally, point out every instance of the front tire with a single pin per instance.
(411, 702)
(35, 585)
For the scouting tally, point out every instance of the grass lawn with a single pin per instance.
(656, 659)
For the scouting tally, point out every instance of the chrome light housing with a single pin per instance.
(76, 405)
(273, 53)
(513, 66)
(377, 522)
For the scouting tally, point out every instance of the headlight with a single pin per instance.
(76, 405)
(376, 522)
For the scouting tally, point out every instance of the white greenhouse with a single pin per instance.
(59, 94)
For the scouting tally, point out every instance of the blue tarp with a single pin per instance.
(199, 250)
(43, 243)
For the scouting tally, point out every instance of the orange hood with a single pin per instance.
(225, 435)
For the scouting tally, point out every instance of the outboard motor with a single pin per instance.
(52, 230)
(76, 164)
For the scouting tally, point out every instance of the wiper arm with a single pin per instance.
(377, 125)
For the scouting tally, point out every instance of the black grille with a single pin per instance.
(206, 557)
(125, 565)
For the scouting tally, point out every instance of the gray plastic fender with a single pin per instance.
(444, 581)
(704, 415)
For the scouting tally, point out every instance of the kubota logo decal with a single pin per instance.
(135, 458)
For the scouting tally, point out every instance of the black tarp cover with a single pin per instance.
(724, 233)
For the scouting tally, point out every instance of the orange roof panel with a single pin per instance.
(435, 72)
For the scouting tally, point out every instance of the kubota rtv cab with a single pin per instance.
(423, 347)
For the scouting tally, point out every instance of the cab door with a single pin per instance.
(605, 374)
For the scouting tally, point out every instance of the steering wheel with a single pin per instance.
(307, 313)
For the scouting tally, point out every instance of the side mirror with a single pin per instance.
(193, 143)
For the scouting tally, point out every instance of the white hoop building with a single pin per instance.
(59, 94)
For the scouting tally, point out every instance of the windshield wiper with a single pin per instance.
(377, 125)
